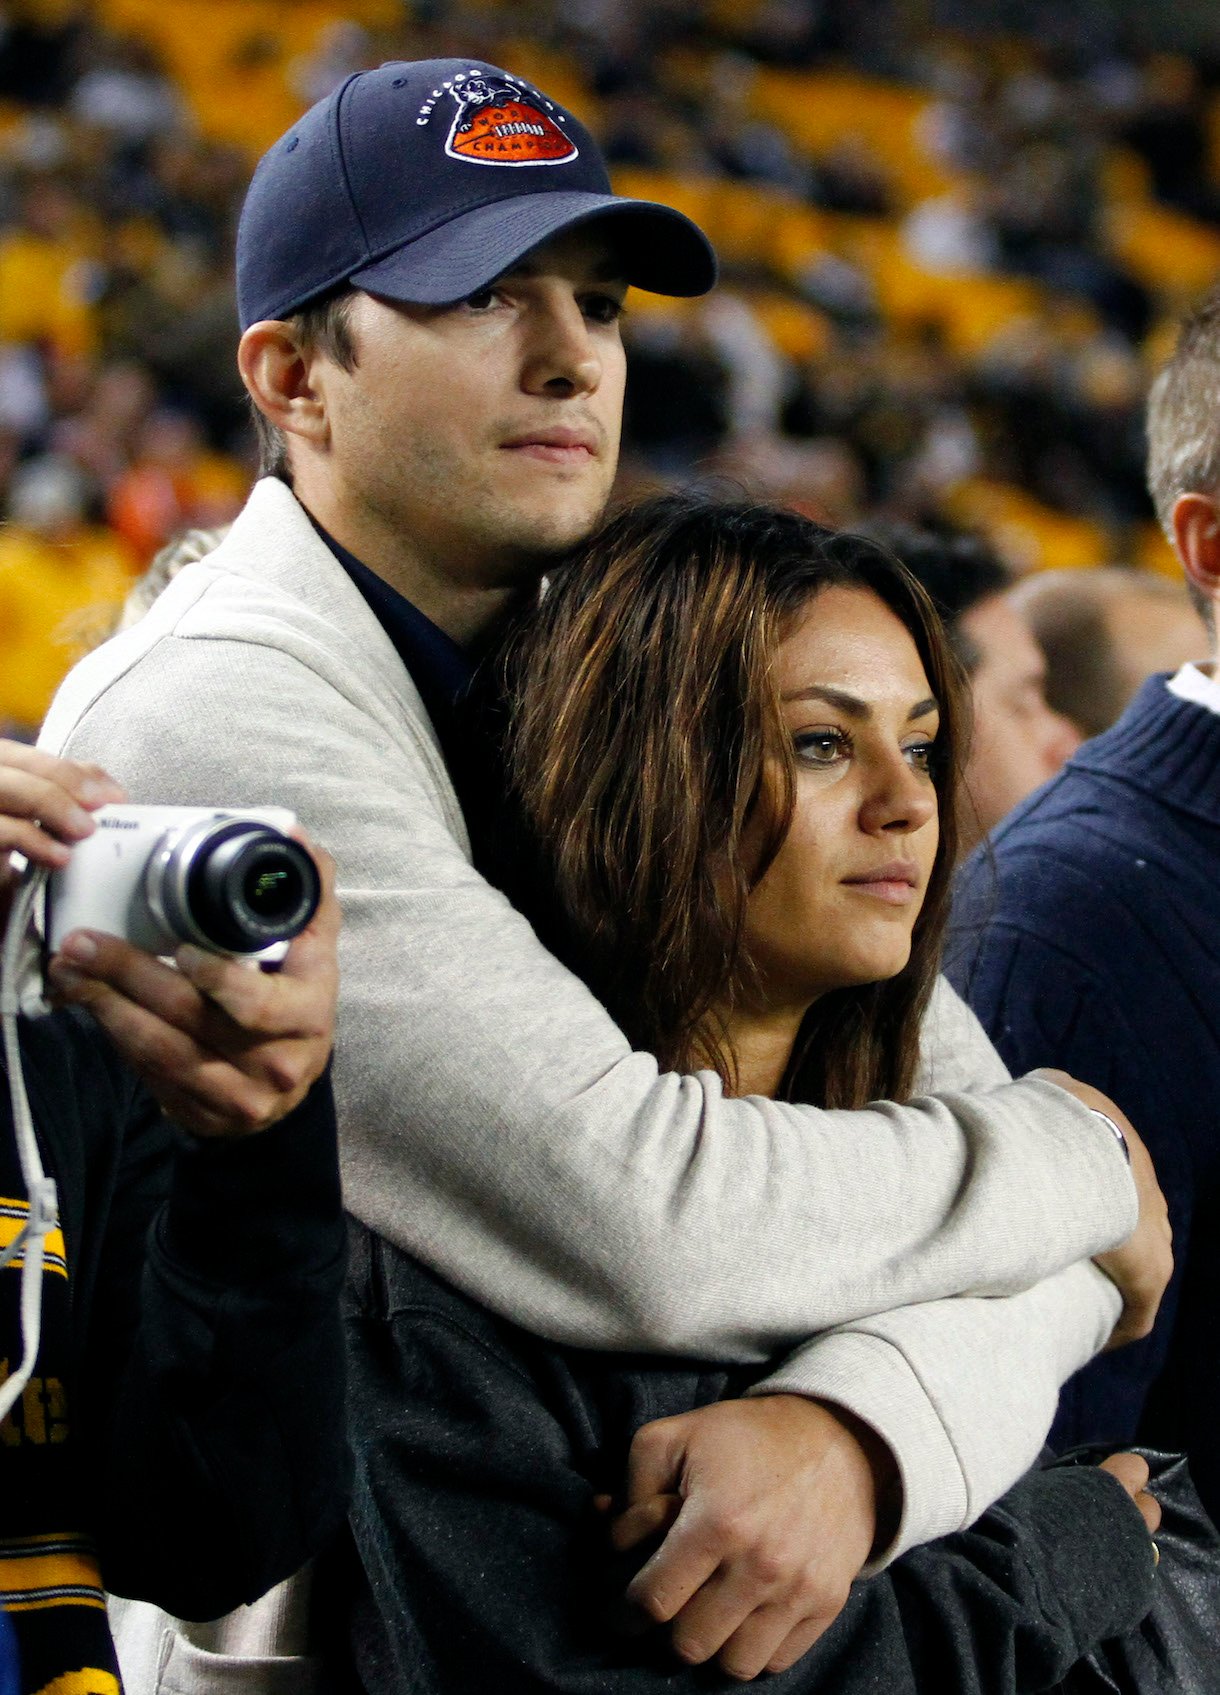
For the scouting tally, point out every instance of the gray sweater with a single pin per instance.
(924, 1265)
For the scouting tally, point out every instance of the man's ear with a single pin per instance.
(1196, 536)
(278, 374)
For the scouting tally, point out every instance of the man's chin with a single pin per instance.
(544, 533)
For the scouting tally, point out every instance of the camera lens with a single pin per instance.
(272, 886)
(249, 886)
(233, 884)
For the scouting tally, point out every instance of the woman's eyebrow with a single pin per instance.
(852, 705)
(849, 703)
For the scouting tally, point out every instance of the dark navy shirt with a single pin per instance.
(460, 698)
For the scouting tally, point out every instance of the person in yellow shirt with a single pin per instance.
(56, 571)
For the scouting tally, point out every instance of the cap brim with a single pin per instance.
(661, 249)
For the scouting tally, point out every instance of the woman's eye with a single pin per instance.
(822, 747)
(922, 757)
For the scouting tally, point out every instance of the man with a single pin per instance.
(431, 269)
(181, 1437)
(1019, 740)
(1102, 633)
(1094, 941)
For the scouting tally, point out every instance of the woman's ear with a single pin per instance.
(1196, 536)
(278, 373)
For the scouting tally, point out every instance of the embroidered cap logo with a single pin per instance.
(499, 123)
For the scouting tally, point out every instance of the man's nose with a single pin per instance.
(561, 358)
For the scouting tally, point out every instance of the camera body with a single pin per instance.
(232, 882)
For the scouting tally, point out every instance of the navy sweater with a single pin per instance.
(1089, 938)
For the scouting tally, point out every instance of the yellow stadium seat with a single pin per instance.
(232, 58)
(1164, 249)
(799, 332)
(1153, 552)
(969, 308)
(821, 110)
(43, 295)
(1125, 176)
(44, 588)
(691, 195)
(743, 218)
(555, 73)
(1032, 536)
(801, 234)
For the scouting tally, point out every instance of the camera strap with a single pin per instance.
(43, 1216)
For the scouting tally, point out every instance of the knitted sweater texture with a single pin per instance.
(1092, 942)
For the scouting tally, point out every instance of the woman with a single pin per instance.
(735, 740)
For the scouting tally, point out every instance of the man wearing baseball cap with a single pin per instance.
(431, 266)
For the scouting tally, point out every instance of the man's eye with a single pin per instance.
(603, 308)
(480, 300)
(822, 747)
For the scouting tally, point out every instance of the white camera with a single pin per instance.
(158, 876)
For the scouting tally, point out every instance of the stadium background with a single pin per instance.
(955, 238)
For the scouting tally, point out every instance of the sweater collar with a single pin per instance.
(1166, 746)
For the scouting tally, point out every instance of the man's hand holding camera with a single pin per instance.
(227, 1049)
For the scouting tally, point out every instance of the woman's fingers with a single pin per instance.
(1132, 1472)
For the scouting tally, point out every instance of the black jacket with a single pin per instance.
(187, 1410)
(476, 1561)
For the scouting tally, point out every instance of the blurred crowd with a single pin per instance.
(950, 262)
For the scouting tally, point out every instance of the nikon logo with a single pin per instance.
(118, 824)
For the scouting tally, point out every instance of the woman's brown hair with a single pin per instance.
(645, 715)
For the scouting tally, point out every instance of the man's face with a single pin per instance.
(1018, 742)
(484, 434)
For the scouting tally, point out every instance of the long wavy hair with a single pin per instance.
(646, 740)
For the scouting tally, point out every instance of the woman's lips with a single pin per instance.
(897, 885)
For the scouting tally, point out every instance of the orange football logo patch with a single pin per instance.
(513, 131)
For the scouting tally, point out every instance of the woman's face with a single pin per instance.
(839, 902)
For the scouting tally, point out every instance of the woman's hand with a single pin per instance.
(45, 808)
(1141, 1266)
(1132, 1472)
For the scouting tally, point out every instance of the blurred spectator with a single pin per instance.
(951, 233)
(1018, 741)
(677, 393)
(100, 433)
(54, 565)
(821, 477)
(976, 228)
(38, 52)
(1103, 632)
(1169, 129)
(126, 92)
(184, 549)
(45, 277)
(1087, 939)
(344, 48)
(172, 483)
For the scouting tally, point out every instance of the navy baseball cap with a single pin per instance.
(424, 181)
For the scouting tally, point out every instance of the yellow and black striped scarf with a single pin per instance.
(50, 1584)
